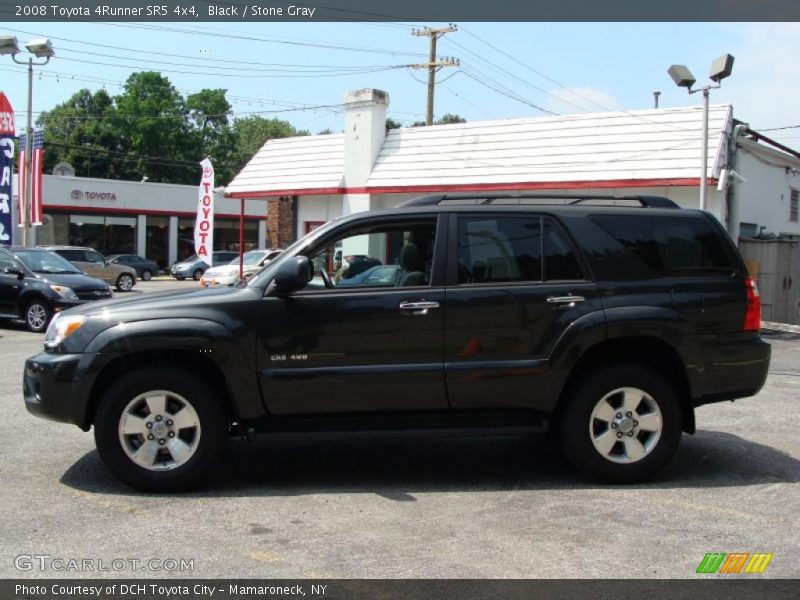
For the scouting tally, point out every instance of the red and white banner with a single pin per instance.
(6, 168)
(37, 158)
(204, 225)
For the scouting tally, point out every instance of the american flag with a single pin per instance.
(36, 183)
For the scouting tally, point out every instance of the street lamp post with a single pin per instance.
(40, 48)
(682, 76)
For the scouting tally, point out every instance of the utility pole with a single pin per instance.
(433, 65)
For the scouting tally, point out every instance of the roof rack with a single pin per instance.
(483, 199)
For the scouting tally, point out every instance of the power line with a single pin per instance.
(472, 74)
(305, 75)
(139, 52)
(516, 77)
(217, 34)
(537, 72)
(779, 128)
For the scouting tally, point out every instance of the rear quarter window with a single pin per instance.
(646, 247)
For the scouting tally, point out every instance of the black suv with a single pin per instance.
(606, 324)
(35, 284)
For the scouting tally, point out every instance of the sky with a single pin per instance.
(507, 70)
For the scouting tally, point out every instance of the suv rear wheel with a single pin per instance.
(160, 429)
(622, 423)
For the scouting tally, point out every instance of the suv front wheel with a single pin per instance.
(160, 429)
(37, 315)
(622, 423)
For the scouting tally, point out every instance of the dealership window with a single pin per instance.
(108, 235)
(226, 236)
(793, 202)
(157, 242)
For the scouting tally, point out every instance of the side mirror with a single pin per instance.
(293, 275)
(15, 271)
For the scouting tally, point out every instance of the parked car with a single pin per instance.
(194, 267)
(227, 275)
(353, 265)
(95, 264)
(145, 269)
(382, 275)
(35, 284)
(607, 325)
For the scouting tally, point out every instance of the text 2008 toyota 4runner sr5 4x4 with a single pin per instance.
(606, 323)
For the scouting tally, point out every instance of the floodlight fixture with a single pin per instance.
(682, 76)
(721, 68)
(8, 44)
(40, 47)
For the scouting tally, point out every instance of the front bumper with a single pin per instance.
(56, 387)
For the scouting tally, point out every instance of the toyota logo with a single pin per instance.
(76, 195)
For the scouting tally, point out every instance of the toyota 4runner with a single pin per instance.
(603, 319)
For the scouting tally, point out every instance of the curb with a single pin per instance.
(780, 327)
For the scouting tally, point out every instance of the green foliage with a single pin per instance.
(392, 124)
(253, 132)
(151, 130)
(446, 119)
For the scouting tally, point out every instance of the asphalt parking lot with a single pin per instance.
(486, 508)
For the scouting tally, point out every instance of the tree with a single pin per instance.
(211, 131)
(151, 130)
(152, 118)
(449, 119)
(446, 119)
(75, 129)
(253, 132)
(392, 124)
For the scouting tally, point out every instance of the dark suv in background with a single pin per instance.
(607, 324)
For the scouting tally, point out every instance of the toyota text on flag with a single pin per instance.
(204, 225)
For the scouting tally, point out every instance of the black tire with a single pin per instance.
(577, 427)
(37, 315)
(198, 273)
(146, 275)
(125, 282)
(212, 432)
(180, 277)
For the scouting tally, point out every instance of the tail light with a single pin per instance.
(752, 315)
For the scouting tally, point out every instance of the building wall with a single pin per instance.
(765, 196)
(151, 219)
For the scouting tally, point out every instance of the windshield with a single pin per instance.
(46, 262)
(250, 258)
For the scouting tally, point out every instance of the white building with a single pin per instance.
(309, 180)
(154, 220)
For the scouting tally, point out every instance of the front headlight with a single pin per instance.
(61, 327)
(64, 292)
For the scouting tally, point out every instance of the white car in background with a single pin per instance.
(227, 275)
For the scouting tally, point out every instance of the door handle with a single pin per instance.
(420, 307)
(567, 301)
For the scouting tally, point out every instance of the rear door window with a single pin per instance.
(72, 255)
(667, 246)
(499, 249)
